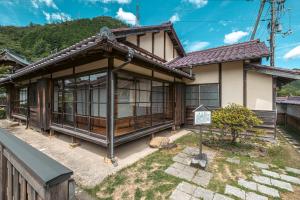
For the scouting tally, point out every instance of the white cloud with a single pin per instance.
(293, 53)
(128, 17)
(56, 17)
(234, 36)
(196, 46)
(175, 18)
(198, 3)
(110, 1)
(49, 3)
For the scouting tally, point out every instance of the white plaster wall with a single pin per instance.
(205, 74)
(232, 83)
(133, 68)
(163, 76)
(159, 44)
(146, 42)
(169, 48)
(92, 66)
(259, 91)
(132, 39)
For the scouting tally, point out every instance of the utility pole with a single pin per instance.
(272, 32)
(137, 23)
(276, 8)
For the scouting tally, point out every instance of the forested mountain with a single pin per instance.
(37, 41)
(291, 89)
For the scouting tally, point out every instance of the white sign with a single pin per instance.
(202, 117)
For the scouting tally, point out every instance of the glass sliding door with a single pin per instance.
(20, 101)
(79, 103)
(142, 103)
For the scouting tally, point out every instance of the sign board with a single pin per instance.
(202, 116)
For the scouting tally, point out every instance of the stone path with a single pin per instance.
(241, 194)
(284, 177)
(293, 170)
(290, 139)
(261, 165)
(273, 182)
(233, 160)
(181, 168)
(262, 186)
(187, 191)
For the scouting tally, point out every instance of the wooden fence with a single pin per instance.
(289, 115)
(27, 174)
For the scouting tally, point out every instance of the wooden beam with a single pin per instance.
(164, 45)
(244, 85)
(220, 84)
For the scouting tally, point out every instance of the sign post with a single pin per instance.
(202, 117)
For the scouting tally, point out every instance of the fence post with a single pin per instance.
(3, 168)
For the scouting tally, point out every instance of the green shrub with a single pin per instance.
(2, 113)
(234, 119)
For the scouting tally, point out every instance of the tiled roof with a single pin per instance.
(241, 51)
(86, 45)
(9, 55)
(289, 100)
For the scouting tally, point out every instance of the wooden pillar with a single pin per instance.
(9, 100)
(220, 84)
(3, 169)
(44, 99)
(110, 118)
(244, 86)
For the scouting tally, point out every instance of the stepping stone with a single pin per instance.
(179, 195)
(254, 196)
(203, 194)
(293, 170)
(182, 158)
(282, 185)
(221, 197)
(290, 179)
(178, 166)
(172, 171)
(237, 192)
(192, 151)
(273, 182)
(186, 187)
(202, 178)
(261, 165)
(270, 173)
(247, 184)
(233, 160)
(262, 179)
(268, 191)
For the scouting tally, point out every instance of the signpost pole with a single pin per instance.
(200, 142)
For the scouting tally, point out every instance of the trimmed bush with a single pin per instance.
(234, 119)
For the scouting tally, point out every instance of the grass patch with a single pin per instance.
(146, 178)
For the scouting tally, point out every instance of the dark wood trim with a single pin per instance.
(274, 92)
(244, 85)
(138, 40)
(153, 42)
(220, 84)
(164, 45)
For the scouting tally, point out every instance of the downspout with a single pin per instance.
(129, 57)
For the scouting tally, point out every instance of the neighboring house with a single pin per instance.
(126, 83)
(12, 60)
(288, 111)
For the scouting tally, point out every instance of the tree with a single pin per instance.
(235, 119)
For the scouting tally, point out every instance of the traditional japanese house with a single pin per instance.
(123, 84)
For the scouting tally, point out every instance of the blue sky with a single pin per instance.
(200, 24)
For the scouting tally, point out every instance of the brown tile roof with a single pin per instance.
(241, 51)
(88, 44)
